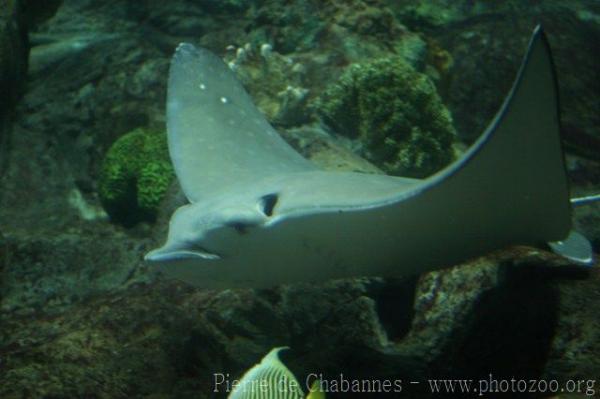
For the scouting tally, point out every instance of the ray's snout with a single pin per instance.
(167, 254)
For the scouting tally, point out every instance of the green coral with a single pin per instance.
(396, 113)
(135, 175)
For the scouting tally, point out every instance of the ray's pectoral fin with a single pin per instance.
(575, 247)
(217, 137)
(521, 153)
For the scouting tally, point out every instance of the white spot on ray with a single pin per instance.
(202, 86)
(224, 100)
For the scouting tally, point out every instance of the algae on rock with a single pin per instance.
(395, 112)
(135, 176)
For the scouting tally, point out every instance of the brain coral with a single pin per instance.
(396, 114)
(135, 174)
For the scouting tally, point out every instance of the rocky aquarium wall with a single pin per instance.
(401, 87)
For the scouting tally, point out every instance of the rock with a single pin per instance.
(274, 81)
(50, 272)
(13, 67)
(292, 27)
(487, 52)
(13, 53)
(518, 310)
(327, 151)
(92, 80)
(37, 12)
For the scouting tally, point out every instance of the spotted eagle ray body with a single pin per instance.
(260, 214)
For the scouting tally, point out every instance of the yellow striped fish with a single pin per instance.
(273, 380)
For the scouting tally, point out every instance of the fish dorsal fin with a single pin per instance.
(268, 379)
(217, 136)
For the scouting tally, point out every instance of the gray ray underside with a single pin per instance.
(219, 142)
(511, 179)
(510, 187)
(217, 137)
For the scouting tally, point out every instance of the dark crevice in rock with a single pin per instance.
(510, 330)
(394, 304)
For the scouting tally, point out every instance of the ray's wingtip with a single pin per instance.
(576, 248)
(150, 256)
(539, 33)
(184, 48)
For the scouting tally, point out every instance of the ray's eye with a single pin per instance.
(267, 203)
